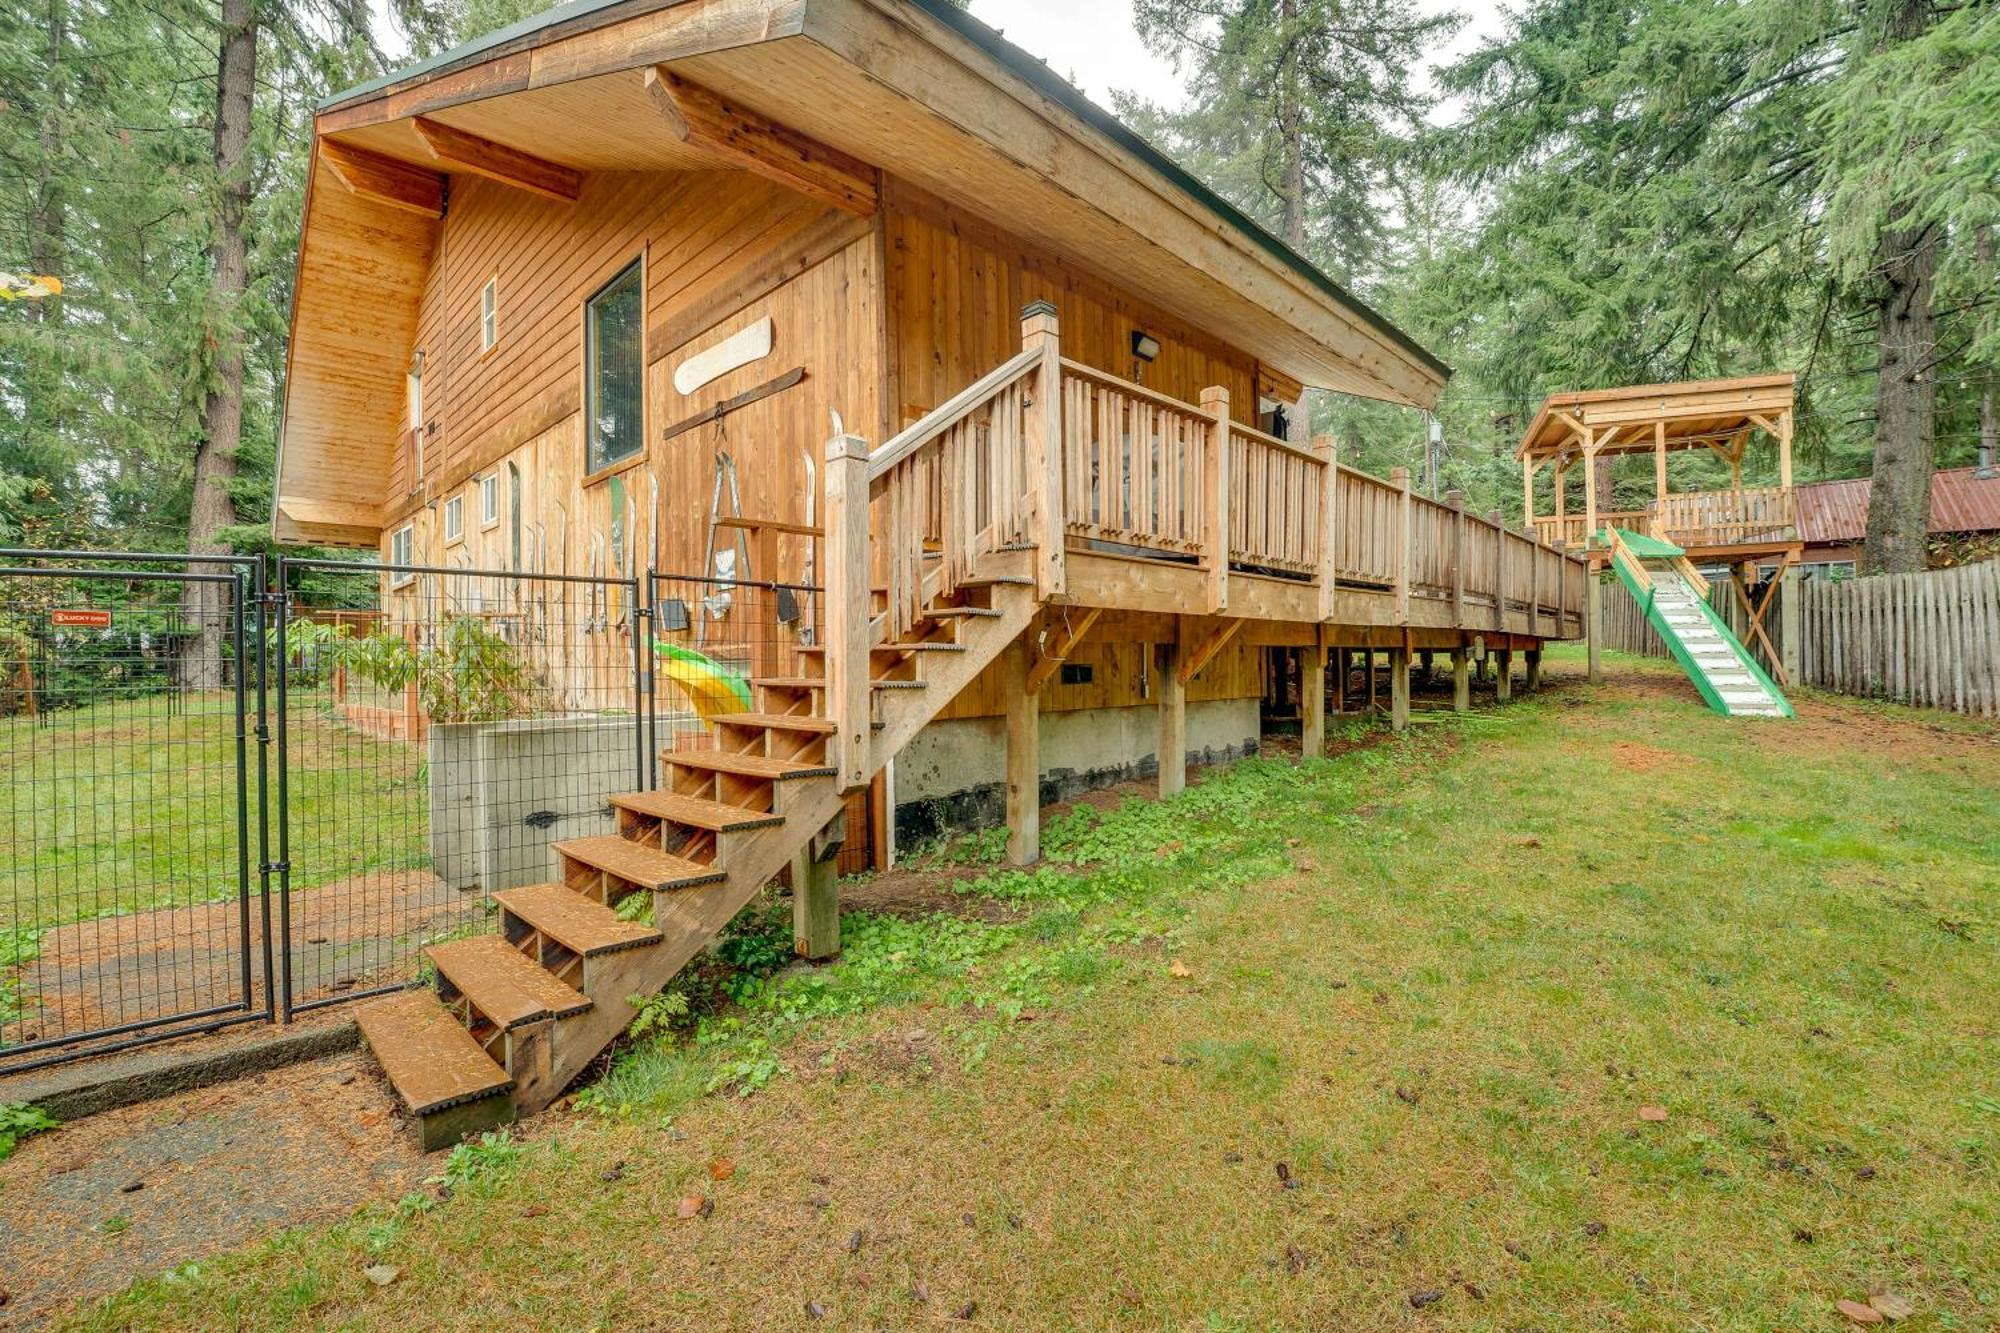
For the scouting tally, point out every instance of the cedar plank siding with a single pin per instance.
(931, 293)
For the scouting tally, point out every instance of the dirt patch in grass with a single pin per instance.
(1638, 758)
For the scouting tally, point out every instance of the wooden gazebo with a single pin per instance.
(1743, 527)
(1721, 416)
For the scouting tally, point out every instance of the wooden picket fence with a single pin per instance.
(1929, 639)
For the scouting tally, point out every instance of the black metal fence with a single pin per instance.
(131, 902)
(441, 729)
(238, 790)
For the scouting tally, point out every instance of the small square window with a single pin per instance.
(489, 314)
(454, 518)
(1076, 673)
(400, 549)
(489, 500)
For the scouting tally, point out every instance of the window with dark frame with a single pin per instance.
(614, 371)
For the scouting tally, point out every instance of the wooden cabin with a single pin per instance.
(841, 345)
(592, 295)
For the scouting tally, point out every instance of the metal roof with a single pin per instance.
(1831, 512)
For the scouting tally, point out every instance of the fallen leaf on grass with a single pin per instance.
(814, 1310)
(615, 1174)
(381, 1274)
(1295, 1259)
(1892, 1306)
(854, 1242)
(1653, 1113)
(1859, 1313)
(1179, 969)
(966, 1311)
(695, 1205)
(535, 1210)
(722, 1168)
(1422, 1299)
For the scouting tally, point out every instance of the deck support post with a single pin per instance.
(1593, 616)
(847, 607)
(1312, 703)
(1399, 688)
(1531, 677)
(1337, 699)
(1173, 721)
(1503, 675)
(1042, 435)
(1461, 679)
(816, 892)
(1024, 758)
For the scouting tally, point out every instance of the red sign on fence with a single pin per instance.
(82, 619)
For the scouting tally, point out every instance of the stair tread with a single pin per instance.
(779, 721)
(647, 867)
(574, 921)
(431, 1060)
(820, 683)
(503, 983)
(748, 765)
(694, 811)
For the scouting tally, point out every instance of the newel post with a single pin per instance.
(1400, 477)
(1329, 524)
(1215, 495)
(1043, 430)
(847, 606)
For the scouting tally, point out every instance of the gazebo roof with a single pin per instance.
(1689, 415)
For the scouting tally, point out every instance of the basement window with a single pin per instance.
(489, 314)
(489, 500)
(454, 518)
(614, 366)
(1076, 673)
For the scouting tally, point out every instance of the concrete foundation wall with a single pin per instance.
(501, 792)
(953, 775)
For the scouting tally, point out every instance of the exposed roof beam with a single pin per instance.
(459, 150)
(384, 179)
(706, 120)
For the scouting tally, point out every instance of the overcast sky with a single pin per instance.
(1091, 42)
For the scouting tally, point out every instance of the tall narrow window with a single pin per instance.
(514, 500)
(454, 518)
(400, 546)
(489, 314)
(614, 371)
(415, 387)
(489, 500)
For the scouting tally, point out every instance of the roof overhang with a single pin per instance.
(1642, 417)
(930, 95)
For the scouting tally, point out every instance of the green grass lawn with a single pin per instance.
(129, 804)
(1595, 1011)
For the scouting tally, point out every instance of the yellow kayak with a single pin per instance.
(711, 688)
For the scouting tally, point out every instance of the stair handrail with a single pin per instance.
(979, 474)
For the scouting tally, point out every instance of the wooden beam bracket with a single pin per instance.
(461, 150)
(1054, 654)
(384, 179)
(744, 138)
(1217, 640)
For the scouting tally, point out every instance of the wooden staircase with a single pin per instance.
(516, 1016)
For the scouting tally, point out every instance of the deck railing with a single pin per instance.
(1697, 518)
(1048, 455)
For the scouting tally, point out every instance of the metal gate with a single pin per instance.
(435, 731)
(132, 906)
(440, 729)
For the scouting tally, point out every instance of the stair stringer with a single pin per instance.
(690, 917)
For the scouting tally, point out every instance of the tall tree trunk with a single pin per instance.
(212, 508)
(1899, 497)
(46, 392)
(1291, 132)
(1989, 395)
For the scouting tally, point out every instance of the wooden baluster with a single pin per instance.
(847, 606)
(1401, 477)
(1215, 497)
(1456, 500)
(1329, 517)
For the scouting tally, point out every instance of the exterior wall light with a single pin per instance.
(1144, 345)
